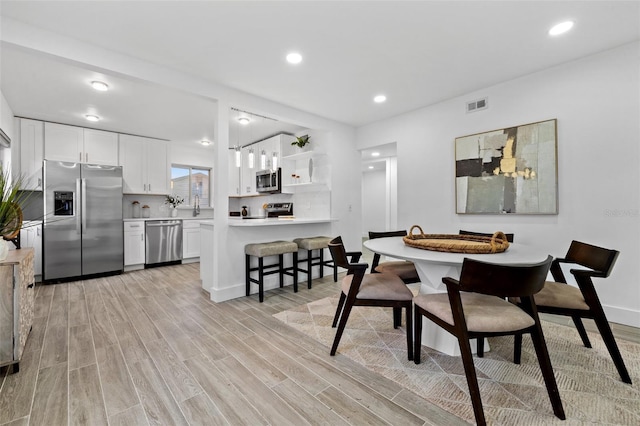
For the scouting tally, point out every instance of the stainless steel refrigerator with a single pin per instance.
(82, 233)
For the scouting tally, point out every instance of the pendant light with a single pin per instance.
(238, 156)
(263, 160)
(274, 161)
(251, 158)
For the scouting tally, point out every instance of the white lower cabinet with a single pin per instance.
(190, 239)
(133, 243)
(31, 236)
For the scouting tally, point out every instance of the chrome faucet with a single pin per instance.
(196, 205)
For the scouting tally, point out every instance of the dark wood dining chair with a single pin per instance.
(402, 268)
(362, 289)
(560, 298)
(474, 307)
(484, 234)
(480, 342)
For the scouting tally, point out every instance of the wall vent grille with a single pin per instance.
(478, 105)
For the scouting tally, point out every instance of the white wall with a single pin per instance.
(597, 104)
(374, 201)
(6, 124)
(6, 117)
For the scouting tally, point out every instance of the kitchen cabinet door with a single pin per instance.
(100, 147)
(234, 174)
(134, 243)
(63, 143)
(31, 153)
(131, 158)
(191, 240)
(145, 165)
(157, 167)
(270, 146)
(248, 174)
(31, 236)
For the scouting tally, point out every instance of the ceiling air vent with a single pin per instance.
(477, 105)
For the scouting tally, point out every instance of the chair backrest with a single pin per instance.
(338, 253)
(593, 257)
(503, 280)
(484, 234)
(373, 235)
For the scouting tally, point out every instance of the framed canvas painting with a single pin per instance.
(508, 171)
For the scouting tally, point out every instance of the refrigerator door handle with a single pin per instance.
(76, 212)
(83, 212)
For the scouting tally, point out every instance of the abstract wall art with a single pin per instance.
(508, 171)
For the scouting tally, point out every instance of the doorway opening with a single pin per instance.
(379, 188)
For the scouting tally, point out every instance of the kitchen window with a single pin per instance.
(189, 181)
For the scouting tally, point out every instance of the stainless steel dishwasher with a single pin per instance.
(163, 241)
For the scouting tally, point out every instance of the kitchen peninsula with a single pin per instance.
(247, 231)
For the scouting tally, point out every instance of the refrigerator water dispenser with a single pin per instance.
(62, 203)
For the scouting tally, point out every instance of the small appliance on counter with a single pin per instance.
(279, 209)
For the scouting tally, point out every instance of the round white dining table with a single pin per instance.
(432, 266)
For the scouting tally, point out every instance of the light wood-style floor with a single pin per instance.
(148, 347)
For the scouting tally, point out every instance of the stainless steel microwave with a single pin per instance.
(268, 181)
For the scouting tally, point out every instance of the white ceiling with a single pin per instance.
(417, 53)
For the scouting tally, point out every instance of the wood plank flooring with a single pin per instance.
(148, 347)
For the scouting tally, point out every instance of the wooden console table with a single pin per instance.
(16, 305)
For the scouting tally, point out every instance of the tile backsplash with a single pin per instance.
(159, 208)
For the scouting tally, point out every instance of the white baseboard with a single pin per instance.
(622, 315)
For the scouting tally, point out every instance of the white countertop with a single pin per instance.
(144, 219)
(275, 221)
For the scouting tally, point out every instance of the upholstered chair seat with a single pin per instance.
(379, 287)
(482, 313)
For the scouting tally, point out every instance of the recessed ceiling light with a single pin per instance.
(205, 142)
(100, 86)
(371, 167)
(375, 154)
(91, 117)
(379, 99)
(244, 120)
(561, 28)
(294, 58)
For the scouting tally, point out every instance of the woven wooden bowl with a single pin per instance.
(454, 243)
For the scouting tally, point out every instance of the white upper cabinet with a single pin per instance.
(100, 147)
(145, 165)
(234, 175)
(76, 144)
(248, 174)
(270, 147)
(63, 143)
(31, 153)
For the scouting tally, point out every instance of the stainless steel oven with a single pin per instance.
(268, 181)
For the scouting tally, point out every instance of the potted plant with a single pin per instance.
(174, 201)
(301, 141)
(11, 202)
